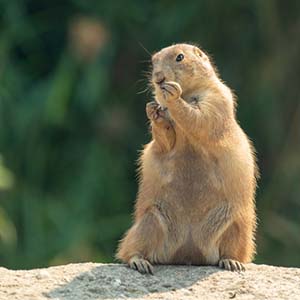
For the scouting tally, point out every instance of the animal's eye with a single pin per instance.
(180, 57)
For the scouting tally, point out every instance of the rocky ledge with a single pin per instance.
(86, 281)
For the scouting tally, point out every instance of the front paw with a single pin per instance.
(152, 110)
(168, 92)
(155, 112)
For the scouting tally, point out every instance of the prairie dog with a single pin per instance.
(195, 203)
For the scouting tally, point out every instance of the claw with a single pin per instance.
(134, 266)
(149, 267)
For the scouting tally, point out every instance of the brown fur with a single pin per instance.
(195, 203)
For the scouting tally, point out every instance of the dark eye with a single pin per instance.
(180, 57)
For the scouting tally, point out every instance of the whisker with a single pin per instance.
(141, 80)
(146, 73)
(143, 91)
(145, 49)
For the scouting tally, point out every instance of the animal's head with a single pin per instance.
(186, 64)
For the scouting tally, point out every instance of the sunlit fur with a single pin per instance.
(195, 203)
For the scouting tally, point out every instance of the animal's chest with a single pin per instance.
(189, 177)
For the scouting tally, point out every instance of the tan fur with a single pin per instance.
(195, 203)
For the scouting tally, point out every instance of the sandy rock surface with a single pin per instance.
(112, 281)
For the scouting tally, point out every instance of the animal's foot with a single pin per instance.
(231, 265)
(141, 265)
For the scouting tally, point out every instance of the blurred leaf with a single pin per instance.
(6, 177)
(8, 234)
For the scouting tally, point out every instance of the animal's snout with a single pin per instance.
(159, 77)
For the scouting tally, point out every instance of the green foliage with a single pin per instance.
(72, 118)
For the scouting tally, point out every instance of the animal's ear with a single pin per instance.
(200, 53)
(204, 60)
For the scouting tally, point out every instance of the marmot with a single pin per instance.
(195, 203)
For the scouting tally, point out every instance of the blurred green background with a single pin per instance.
(72, 117)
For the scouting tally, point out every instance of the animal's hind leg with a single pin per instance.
(143, 243)
(236, 247)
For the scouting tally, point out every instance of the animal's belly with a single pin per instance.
(187, 188)
(188, 254)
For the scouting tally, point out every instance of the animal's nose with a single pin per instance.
(159, 77)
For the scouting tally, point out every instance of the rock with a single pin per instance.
(90, 281)
(42, 274)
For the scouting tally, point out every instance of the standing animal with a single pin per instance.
(195, 203)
